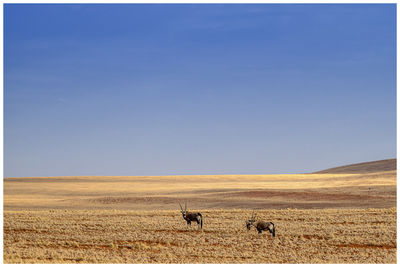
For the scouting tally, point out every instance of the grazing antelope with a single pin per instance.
(192, 216)
(260, 225)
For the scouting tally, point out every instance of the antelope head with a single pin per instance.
(183, 211)
(250, 223)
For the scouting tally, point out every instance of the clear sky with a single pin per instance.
(197, 89)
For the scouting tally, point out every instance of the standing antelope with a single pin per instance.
(260, 225)
(192, 216)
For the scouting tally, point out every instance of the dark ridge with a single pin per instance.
(364, 167)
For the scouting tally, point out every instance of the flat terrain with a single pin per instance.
(376, 190)
(121, 236)
(326, 217)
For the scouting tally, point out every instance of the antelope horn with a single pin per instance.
(185, 206)
(180, 206)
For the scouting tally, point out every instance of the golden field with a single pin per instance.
(320, 218)
(121, 236)
(376, 190)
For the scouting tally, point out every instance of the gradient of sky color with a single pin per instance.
(197, 89)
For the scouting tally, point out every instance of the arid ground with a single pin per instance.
(340, 215)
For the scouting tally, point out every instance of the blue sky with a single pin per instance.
(197, 89)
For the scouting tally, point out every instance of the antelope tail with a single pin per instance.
(273, 229)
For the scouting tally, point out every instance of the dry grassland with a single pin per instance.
(116, 236)
(319, 218)
(376, 190)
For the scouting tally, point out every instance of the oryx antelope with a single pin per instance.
(260, 225)
(191, 217)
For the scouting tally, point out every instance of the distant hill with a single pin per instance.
(364, 167)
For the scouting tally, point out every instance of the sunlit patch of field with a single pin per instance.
(366, 190)
(122, 236)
